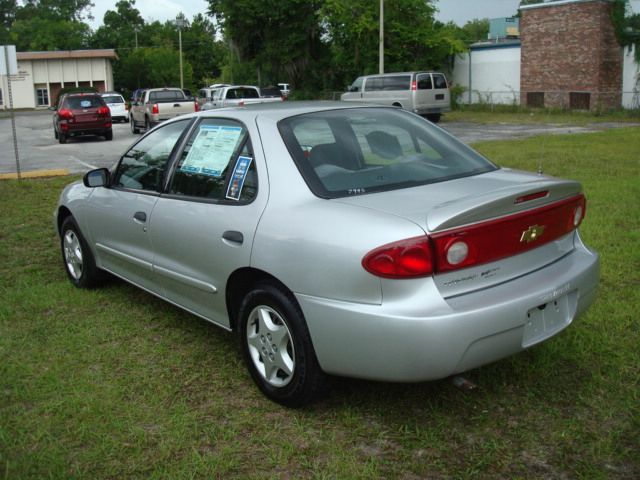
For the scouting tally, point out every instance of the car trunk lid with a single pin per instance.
(511, 222)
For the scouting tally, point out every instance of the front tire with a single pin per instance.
(77, 257)
(276, 346)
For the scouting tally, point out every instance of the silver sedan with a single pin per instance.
(335, 240)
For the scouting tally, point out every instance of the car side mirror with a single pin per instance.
(353, 89)
(96, 178)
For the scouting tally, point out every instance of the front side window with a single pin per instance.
(217, 164)
(374, 84)
(356, 86)
(144, 166)
(363, 150)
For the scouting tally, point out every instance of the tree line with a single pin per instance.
(315, 45)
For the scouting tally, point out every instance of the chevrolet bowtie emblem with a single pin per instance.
(532, 233)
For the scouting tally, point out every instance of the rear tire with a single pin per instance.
(276, 346)
(434, 117)
(77, 257)
(134, 129)
(108, 135)
(62, 138)
(147, 124)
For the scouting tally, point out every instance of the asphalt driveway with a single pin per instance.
(39, 151)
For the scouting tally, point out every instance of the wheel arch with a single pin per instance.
(239, 283)
(63, 213)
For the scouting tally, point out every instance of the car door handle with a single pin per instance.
(233, 236)
(140, 217)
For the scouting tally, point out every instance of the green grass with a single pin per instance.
(515, 114)
(114, 383)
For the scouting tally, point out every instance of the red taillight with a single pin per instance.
(104, 111)
(478, 243)
(414, 85)
(155, 110)
(65, 114)
(409, 258)
(196, 106)
(503, 237)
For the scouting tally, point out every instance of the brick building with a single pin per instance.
(570, 56)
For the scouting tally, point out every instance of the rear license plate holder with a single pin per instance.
(546, 320)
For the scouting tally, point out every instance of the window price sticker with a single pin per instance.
(238, 177)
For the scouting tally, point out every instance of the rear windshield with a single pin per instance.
(242, 93)
(364, 150)
(166, 96)
(111, 99)
(84, 101)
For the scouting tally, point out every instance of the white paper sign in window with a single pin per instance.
(212, 150)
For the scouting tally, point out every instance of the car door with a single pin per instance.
(120, 219)
(202, 229)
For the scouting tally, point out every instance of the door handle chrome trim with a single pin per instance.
(140, 217)
(233, 236)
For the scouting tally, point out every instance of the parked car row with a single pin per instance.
(238, 95)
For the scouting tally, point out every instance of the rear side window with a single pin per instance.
(143, 167)
(439, 80)
(217, 164)
(397, 82)
(364, 150)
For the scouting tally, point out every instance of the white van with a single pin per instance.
(424, 93)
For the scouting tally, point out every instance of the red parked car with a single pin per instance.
(81, 114)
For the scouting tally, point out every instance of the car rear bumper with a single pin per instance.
(411, 341)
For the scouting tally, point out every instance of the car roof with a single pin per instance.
(281, 110)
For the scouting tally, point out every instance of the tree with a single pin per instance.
(271, 38)
(475, 30)
(51, 25)
(413, 39)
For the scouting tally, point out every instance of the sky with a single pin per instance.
(457, 11)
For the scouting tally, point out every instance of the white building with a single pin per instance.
(41, 76)
(494, 76)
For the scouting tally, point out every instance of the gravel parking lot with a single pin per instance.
(39, 150)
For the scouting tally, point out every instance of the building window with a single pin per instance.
(579, 100)
(42, 97)
(535, 99)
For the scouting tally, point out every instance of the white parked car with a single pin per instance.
(117, 105)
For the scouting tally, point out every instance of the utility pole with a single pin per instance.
(381, 51)
(10, 68)
(180, 24)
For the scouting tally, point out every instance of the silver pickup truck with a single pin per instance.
(237, 96)
(156, 105)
